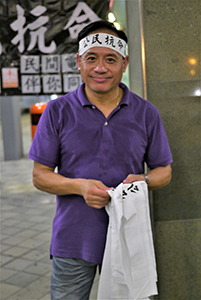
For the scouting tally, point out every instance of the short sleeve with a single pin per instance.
(158, 153)
(45, 145)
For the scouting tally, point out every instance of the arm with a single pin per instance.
(94, 191)
(158, 177)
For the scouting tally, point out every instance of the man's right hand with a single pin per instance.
(95, 193)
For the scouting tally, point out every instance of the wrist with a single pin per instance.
(77, 185)
(146, 179)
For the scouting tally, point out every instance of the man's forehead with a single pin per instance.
(101, 51)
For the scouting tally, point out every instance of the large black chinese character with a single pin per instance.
(124, 194)
(86, 41)
(32, 82)
(95, 39)
(112, 41)
(36, 29)
(120, 44)
(107, 40)
(53, 83)
(52, 63)
(30, 63)
(133, 188)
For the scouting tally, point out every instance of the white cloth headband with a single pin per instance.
(102, 40)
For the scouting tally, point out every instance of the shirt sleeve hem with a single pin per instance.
(161, 164)
(42, 161)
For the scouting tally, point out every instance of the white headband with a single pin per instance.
(102, 40)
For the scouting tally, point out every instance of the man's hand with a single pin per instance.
(95, 193)
(132, 177)
(158, 177)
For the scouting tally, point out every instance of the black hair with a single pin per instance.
(101, 24)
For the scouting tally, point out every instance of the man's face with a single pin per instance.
(101, 68)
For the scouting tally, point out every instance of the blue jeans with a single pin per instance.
(71, 278)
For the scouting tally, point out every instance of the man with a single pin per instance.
(98, 136)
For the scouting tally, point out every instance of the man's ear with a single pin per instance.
(125, 63)
(78, 61)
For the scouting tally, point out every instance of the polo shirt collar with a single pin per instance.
(85, 102)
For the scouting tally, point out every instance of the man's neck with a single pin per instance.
(105, 102)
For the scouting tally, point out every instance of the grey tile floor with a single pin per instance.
(26, 221)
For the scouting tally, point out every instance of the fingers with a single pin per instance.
(95, 194)
(97, 203)
(132, 177)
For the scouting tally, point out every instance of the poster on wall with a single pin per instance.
(38, 39)
(9, 78)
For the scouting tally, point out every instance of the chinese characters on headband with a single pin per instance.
(48, 78)
(103, 40)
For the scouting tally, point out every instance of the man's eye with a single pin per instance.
(91, 58)
(110, 60)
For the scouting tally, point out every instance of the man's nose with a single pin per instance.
(100, 67)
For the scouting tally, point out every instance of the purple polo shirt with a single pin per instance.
(75, 136)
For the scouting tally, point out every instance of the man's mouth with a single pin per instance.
(100, 79)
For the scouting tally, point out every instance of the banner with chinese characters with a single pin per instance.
(38, 43)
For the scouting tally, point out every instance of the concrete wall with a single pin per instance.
(172, 42)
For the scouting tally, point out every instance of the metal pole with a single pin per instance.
(11, 127)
